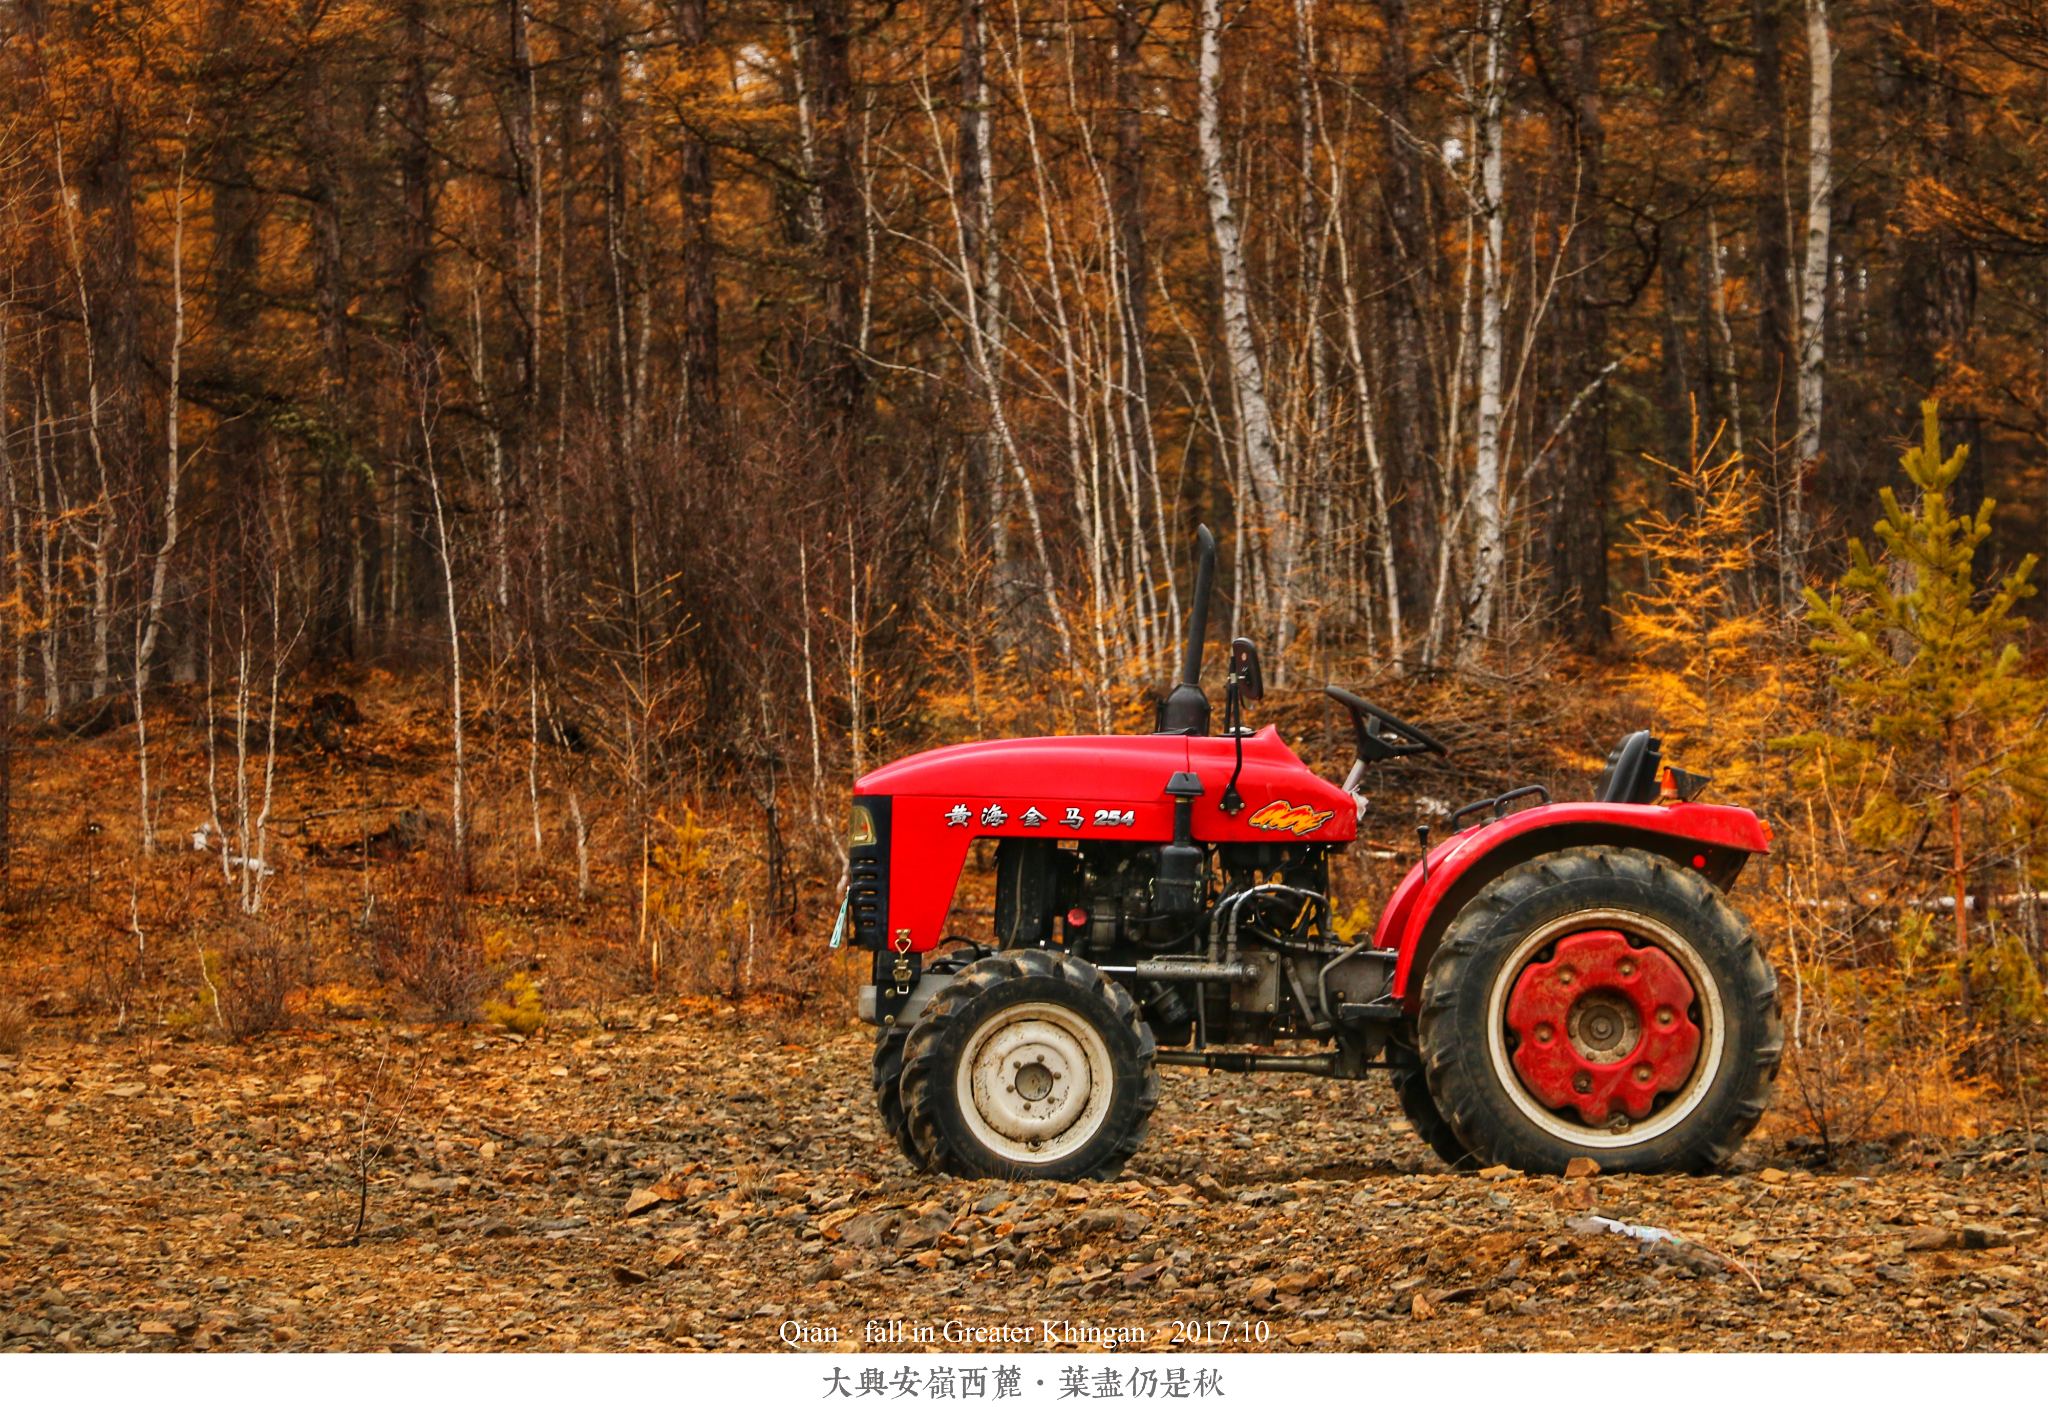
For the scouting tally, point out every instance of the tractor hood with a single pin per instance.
(1076, 787)
(1041, 784)
(1108, 767)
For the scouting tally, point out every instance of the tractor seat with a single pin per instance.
(1631, 774)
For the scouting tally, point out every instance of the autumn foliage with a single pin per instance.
(658, 413)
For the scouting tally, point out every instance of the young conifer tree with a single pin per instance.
(1948, 734)
(1708, 667)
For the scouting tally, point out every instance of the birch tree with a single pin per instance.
(153, 618)
(1255, 420)
(1487, 495)
(1813, 277)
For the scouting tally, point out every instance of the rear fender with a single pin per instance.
(1716, 840)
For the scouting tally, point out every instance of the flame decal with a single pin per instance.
(1282, 816)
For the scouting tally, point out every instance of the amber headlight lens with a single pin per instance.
(862, 833)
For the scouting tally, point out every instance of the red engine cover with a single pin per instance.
(1081, 787)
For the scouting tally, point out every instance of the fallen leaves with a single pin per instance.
(511, 1208)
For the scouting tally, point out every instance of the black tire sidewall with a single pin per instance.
(887, 1079)
(961, 1151)
(886, 1076)
(1479, 946)
(1411, 1089)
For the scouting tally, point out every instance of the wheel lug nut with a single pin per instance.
(1565, 976)
(1583, 1082)
(1544, 1032)
(1628, 968)
(1664, 1017)
(1643, 1072)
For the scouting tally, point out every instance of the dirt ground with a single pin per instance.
(703, 1180)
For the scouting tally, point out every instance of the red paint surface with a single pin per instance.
(1408, 912)
(1055, 774)
(1603, 962)
(999, 782)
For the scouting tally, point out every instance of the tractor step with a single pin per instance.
(1369, 1012)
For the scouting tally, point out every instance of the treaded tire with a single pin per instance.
(1007, 987)
(1411, 1085)
(1567, 892)
(887, 1073)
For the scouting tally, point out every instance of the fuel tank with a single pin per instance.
(1079, 788)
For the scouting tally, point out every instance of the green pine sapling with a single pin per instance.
(1927, 663)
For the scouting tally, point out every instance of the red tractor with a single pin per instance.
(1551, 980)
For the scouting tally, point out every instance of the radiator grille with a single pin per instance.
(868, 878)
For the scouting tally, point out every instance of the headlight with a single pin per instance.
(862, 832)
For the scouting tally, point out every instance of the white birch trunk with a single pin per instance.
(153, 620)
(46, 557)
(814, 204)
(1724, 357)
(1813, 280)
(1489, 524)
(1262, 465)
(456, 774)
(533, 744)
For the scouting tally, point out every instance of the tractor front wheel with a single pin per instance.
(888, 1066)
(1029, 1065)
(1600, 1002)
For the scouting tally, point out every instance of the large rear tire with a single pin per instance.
(1411, 1087)
(1605, 1003)
(1030, 1065)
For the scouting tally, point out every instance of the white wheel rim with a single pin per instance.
(1706, 1070)
(1034, 1083)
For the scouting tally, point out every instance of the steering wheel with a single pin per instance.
(1381, 734)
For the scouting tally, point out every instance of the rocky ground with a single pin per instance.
(700, 1181)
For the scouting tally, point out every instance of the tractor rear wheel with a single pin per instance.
(1600, 1002)
(1030, 1065)
(1411, 1085)
(888, 1066)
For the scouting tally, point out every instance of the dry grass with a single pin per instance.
(255, 974)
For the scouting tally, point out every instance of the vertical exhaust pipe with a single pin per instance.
(1198, 615)
(1185, 711)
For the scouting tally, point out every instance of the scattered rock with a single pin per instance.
(871, 1230)
(926, 1229)
(1581, 1167)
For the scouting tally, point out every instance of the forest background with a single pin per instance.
(479, 480)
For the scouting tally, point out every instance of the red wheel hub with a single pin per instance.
(1604, 1027)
